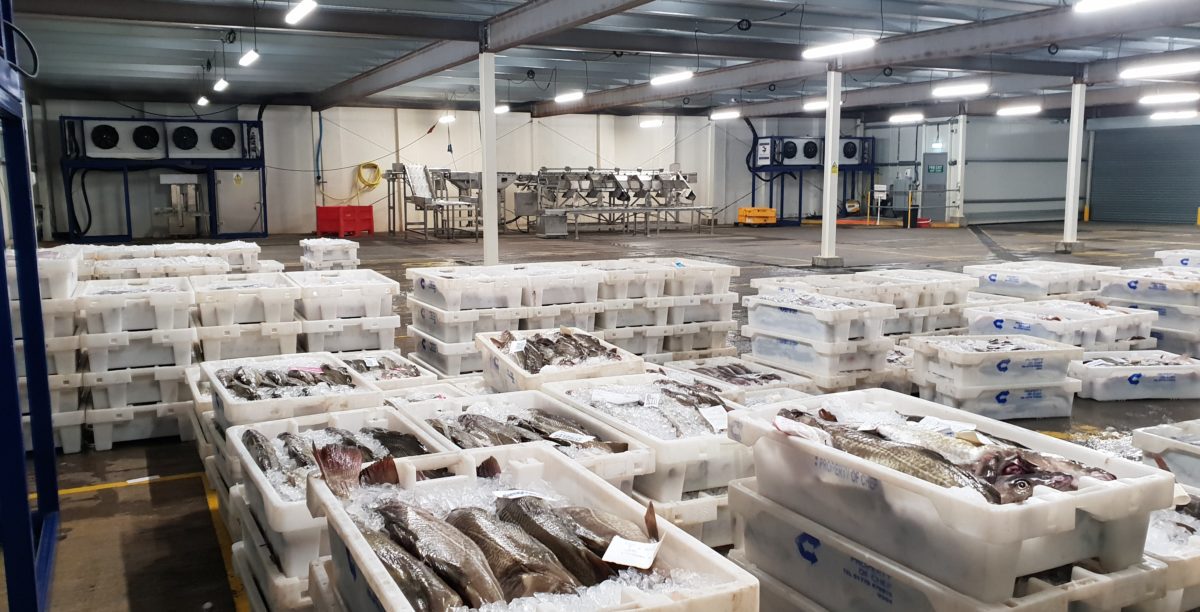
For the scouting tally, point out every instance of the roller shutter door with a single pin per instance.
(1147, 175)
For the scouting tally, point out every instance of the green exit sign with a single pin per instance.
(935, 169)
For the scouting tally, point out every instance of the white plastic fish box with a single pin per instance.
(703, 308)
(945, 317)
(960, 540)
(910, 321)
(401, 398)
(554, 283)
(977, 298)
(803, 355)
(58, 273)
(204, 447)
(135, 304)
(1183, 574)
(62, 355)
(155, 267)
(224, 493)
(364, 334)
(1179, 257)
(280, 592)
(903, 294)
(320, 587)
(58, 318)
(629, 279)
(824, 383)
(619, 469)
(423, 377)
(130, 423)
(664, 358)
(762, 397)
(153, 385)
(445, 358)
(241, 256)
(773, 594)
(817, 317)
(681, 465)
(503, 373)
(465, 288)
(344, 294)
(199, 388)
(321, 250)
(694, 277)
(227, 462)
(1166, 285)
(232, 410)
(109, 252)
(364, 584)
(704, 517)
(1174, 447)
(582, 315)
(938, 288)
(843, 574)
(699, 336)
(269, 266)
(139, 349)
(295, 537)
(1108, 383)
(249, 340)
(1064, 325)
(68, 431)
(471, 384)
(635, 312)
(309, 265)
(786, 379)
(1176, 341)
(64, 393)
(1016, 400)
(229, 299)
(1130, 323)
(1036, 279)
(462, 325)
(638, 340)
(956, 360)
(1170, 316)
(255, 600)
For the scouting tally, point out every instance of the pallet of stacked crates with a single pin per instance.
(744, 376)
(1131, 375)
(347, 310)
(683, 420)
(158, 267)
(328, 254)
(1179, 257)
(1094, 325)
(139, 341)
(246, 315)
(1038, 279)
(1052, 526)
(241, 256)
(941, 298)
(1174, 447)
(1001, 377)
(1172, 292)
(58, 276)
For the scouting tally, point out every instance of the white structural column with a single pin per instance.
(1074, 166)
(958, 212)
(487, 139)
(829, 193)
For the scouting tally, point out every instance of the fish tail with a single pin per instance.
(380, 472)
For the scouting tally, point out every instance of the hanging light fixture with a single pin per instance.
(202, 101)
(674, 77)
(841, 48)
(300, 11)
(251, 55)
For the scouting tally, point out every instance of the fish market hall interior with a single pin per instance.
(600, 305)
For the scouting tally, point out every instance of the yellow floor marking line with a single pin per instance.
(240, 602)
(122, 484)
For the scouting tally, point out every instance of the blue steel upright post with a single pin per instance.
(27, 536)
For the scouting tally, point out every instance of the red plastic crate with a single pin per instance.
(342, 221)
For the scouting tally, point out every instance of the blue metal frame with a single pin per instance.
(71, 166)
(29, 536)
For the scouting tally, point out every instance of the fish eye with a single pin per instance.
(1022, 484)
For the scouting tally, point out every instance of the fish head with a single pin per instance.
(996, 464)
(1019, 487)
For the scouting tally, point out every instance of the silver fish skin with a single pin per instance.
(522, 564)
(1049, 462)
(597, 527)
(454, 556)
(538, 519)
(425, 591)
(298, 449)
(498, 432)
(261, 450)
(955, 450)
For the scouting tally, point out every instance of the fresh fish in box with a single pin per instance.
(738, 374)
(597, 528)
(298, 449)
(563, 348)
(535, 516)
(426, 592)
(398, 444)
(382, 368)
(261, 449)
(522, 564)
(253, 383)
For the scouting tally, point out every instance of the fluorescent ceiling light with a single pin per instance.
(1015, 111)
(202, 101)
(1161, 70)
(816, 105)
(300, 11)
(849, 46)
(446, 119)
(500, 110)
(247, 58)
(725, 114)
(651, 123)
(937, 145)
(960, 90)
(1092, 6)
(1181, 97)
(907, 118)
(570, 96)
(1178, 114)
(674, 77)
(221, 85)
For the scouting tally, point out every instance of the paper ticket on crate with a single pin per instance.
(570, 436)
(632, 554)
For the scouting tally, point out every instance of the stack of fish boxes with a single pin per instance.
(347, 310)
(1039, 280)
(246, 315)
(849, 533)
(158, 267)
(1131, 375)
(1179, 257)
(138, 340)
(667, 309)
(1171, 291)
(241, 256)
(1000, 377)
(328, 254)
(58, 273)
(1092, 326)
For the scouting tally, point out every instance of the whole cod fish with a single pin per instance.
(425, 591)
(597, 528)
(522, 564)
(538, 519)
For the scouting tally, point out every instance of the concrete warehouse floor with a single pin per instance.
(131, 544)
